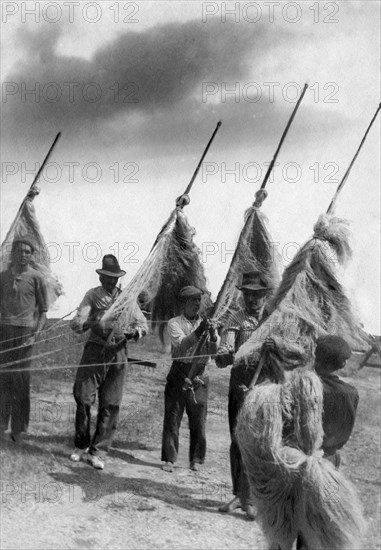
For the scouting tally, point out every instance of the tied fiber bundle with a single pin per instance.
(172, 264)
(26, 224)
(254, 252)
(310, 301)
(182, 267)
(296, 490)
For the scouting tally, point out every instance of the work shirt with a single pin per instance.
(340, 401)
(94, 304)
(184, 341)
(23, 297)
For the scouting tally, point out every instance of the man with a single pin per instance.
(181, 392)
(102, 366)
(23, 307)
(239, 328)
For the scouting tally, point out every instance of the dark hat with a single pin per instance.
(25, 240)
(110, 267)
(253, 281)
(189, 292)
(332, 348)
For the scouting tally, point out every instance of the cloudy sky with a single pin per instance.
(137, 88)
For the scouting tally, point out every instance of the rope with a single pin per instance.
(69, 331)
(8, 364)
(59, 320)
(34, 343)
(62, 367)
(35, 357)
(51, 352)
(46, 329)
(43, 340)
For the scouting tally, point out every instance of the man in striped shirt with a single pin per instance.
(240, 326)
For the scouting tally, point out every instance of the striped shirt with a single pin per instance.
(240, 326)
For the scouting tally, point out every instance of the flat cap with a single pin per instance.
(253, 281)
(24, 240)
(190, 291)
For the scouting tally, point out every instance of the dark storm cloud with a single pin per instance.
(161, 70)
(162, 88)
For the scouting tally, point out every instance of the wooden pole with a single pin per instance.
(257, 372)
(331, 207)
(28, 195)
(271, 165)
(203, 338)
(267, 175)
(45, 160)
(189, 186)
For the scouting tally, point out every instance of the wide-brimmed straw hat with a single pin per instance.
(110, 267)
(253, 281)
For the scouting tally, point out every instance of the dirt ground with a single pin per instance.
(49, 502)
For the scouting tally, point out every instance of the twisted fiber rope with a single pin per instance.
(5, 365)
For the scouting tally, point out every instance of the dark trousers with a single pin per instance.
(14, 386)
(176, 400)
(102, 374)
(241, 487)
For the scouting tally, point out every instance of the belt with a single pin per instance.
(106, 344)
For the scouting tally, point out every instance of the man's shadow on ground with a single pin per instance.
(63, 444)
(125, 492)
(134, 492)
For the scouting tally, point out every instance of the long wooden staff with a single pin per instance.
(257, 372)
(246, 226)
(341, 184)
(203, 338)
(45, 160)
(271, 165)
(30, 193)
(329, 211)
(183, 199)
(189, 186)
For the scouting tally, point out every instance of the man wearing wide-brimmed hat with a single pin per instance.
(182, 393)
(102, 366)
(239, 327)
(23, 307)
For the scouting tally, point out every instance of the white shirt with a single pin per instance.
(184, 341)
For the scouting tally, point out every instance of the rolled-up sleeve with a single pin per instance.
(228, 340)
(181, 343)
(83, 314)
(139, 322)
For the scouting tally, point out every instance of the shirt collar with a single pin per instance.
(197, 318)
(16, 275)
